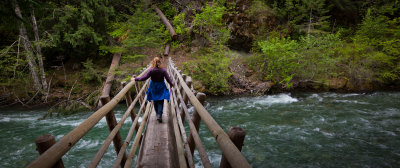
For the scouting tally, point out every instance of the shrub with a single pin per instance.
(210, 24)
(168, 10)
(140, 31)
(318, 56)
(277, 60)
(90, 74)
(372, 29)
(179, 24)
(211, 69)
(282, 59)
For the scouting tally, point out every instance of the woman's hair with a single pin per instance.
(156, 62)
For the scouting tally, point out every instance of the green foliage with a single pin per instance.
(211, 69)
(372, 29)
(179, 24)
(81, 23)
(310, 57)
(11, 65)
(168, 10)
(379, 33)
(90, 74)
(141, 30)
(319, 56)
(210, 24)
(65, 108)
(305, 16)
(323, 57)
(105, 50)
(133, 58)
(361, 62)
(278, 61)
(93, 98)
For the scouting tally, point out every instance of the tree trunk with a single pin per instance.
(27, 46)
(309, 23)
(38, 51)
(110, 77)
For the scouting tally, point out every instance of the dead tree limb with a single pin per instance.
(28, 47)
(71, 89)
(38, 50)
(166, 23)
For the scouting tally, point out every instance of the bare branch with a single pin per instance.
(48, 88)
(9, 48)
(32, 97)
(71, 90)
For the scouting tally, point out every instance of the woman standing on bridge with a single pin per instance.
(157, 89)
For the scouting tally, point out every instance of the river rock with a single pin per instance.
(198, 86)
(262, 88)
(337, 83)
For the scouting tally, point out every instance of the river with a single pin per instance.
(283, 130)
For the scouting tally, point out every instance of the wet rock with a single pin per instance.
(198, 86)
(237, 91)
(246, 23)
(238, 78)
(238, 81)
(262, 88)
(362, 85)
(309, 85)
(337, 83)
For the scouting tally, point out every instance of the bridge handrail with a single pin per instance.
(128, 138)
(203, 154)
(112, 134)
(230, 151)
(181, 152)
(55, 152)
(178, 126)
(135, 143)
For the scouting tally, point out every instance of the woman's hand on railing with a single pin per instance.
(133, 79)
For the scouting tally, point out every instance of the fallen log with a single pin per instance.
(166, 23)
(166, 50)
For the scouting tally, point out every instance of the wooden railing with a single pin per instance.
(181, 93)
(55, 152)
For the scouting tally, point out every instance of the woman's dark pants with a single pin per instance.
(158, 106)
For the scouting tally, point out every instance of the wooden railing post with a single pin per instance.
(183, 96)
(166, 50)
(43, 143)
(112, 122)
(137, 88)
(196, 120)
(128, 99)
(189, 82)
(236, 134)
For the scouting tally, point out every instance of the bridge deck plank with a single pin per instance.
(159, 145)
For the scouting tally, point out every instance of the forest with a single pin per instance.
(60, 51)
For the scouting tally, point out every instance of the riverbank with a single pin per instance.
(70, 89)
(245, 80)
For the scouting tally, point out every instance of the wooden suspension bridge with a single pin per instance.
(165, 144)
